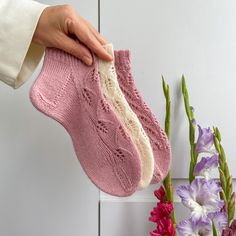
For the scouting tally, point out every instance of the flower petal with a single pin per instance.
(205, 140)
(201, 197)
(220, 220)
(194, 228)
(160, 193)
(206, 165)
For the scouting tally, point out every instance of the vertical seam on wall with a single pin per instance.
(99, 9)
(99, 218)
(99, 202)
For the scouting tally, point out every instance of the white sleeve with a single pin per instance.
(19, 56)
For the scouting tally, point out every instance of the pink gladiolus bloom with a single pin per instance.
(161, 211)
(160, 194)
(165, 227)
(161, 216)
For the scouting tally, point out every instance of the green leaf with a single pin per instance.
(217, 144)
(227, 173)
(214, 229)
(229, 185)
(223, 197)
(225, 177)
(218, 134)
(231, 213)
(222, 180)
(190, 116)
(222, 153)
(232, 199)
(167, 181)
(163, 85)
(231, 207)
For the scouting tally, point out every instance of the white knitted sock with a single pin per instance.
(114, 95)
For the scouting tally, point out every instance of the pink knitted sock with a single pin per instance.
(158, 138)
(69, 92)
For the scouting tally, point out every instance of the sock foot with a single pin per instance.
(116, 98)
(158, 139)
(69, 92)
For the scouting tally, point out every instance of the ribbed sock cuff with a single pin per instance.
(122, 58)
(62, 56)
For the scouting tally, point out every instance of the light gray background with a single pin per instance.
(43, 189)
(195, 38)
(171, 38)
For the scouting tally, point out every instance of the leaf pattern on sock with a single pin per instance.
(101, 143)
(116, 98)
(158, 138)
(119, 156)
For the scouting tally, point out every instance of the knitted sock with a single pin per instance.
(69, 92)
(115, 97)
(159, 141)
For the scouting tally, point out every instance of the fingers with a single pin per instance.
(76, 49)
(98, 36)
(86, 36)
(92, 42)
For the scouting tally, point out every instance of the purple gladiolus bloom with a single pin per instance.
(194, 228)
(201, 197)
(205, 141)
(220, 220)
(204, 166)
(203, 227)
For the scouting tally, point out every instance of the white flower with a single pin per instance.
(201, 197)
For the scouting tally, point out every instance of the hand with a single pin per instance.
(62, 27)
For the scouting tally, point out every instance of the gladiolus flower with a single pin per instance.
(165, 227)
(194, 228)
(204, 166)
(201, 197)
(205, 141)
(160, 193)
(160, 211)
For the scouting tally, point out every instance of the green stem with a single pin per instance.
(190, 115)
(214, 229)
(227, 193)
(167, 181)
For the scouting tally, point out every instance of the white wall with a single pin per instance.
(197, 38)
(43, 189)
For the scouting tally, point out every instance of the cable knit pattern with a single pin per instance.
(159, 141)
(115, 97)
(70, 92)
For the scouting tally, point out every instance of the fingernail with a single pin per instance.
(111, 57)
(87, 60)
